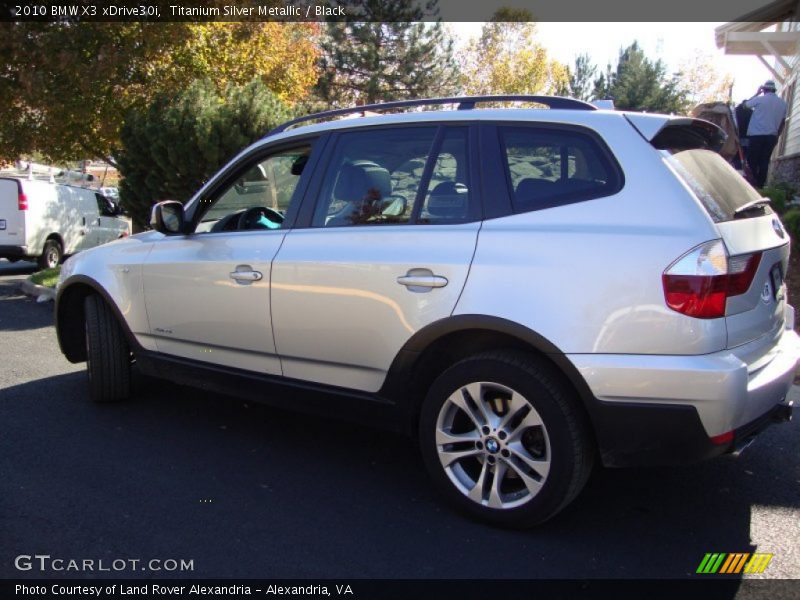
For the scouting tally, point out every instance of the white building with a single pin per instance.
(772, 33)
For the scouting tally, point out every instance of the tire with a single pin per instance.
(108, 357)
(517, 458)
(52, 253)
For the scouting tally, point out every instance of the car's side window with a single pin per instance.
(259, 196)
(548, 167)
(448, 195)
(374, 177)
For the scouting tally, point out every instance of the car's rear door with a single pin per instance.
(383, 248)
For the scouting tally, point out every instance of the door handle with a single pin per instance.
(245, 274)
(421, 280)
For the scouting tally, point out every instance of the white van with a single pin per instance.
(47, 221)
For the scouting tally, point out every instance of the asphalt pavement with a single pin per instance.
(247, 491)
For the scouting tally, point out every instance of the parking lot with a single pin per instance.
(248, 491)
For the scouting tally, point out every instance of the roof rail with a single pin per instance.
(464, 103)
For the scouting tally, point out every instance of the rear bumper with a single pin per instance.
(653, 409)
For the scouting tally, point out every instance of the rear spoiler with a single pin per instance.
(677, 133)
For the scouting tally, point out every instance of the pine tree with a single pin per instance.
(581, 78)
(639, 83)
(385, 55)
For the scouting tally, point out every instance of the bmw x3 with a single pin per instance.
(528, 291)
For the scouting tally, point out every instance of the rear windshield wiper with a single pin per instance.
(757, 203)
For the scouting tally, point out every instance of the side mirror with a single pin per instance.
(167, 217)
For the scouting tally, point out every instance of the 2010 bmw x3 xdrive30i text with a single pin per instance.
(527, 290)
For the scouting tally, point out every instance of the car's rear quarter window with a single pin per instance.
(548, 167)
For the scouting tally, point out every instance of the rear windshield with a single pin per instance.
(715, 183)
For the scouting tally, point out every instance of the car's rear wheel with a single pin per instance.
(108, 357)
(504, 440)
(52, 253)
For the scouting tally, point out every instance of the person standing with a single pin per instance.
(766, 124)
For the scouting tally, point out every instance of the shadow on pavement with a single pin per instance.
(19, 312)
(245, 490)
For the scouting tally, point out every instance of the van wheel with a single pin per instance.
(51, 255)
(108, 358)
(504, 440)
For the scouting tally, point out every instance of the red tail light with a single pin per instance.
(22, 201)
(699, 283)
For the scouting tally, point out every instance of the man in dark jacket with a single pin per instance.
(766, 124)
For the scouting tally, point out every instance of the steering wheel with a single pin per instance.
(260, 217)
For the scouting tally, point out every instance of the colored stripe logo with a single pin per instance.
(734, 563)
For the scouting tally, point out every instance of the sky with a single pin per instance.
(671, 42)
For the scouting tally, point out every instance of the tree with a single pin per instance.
(66, 87)
(384, 55)
(702, 81)
(507, 59)
(638, 83)
(581, 78)
(170, 148)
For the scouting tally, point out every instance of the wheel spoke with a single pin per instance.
(532, 419)
(541, 467)
(445, 437)
(458, 399)
(448, 457)
(476, 493)
(515, 405)
(531, 484)
(476, 393)
(495, 501)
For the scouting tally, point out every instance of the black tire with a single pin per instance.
(51, 256)
(108, 357)
(524, 496)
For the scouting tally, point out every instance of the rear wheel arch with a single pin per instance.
(443, 343)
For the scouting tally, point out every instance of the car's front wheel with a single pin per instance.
(504, 440)
(108, 357)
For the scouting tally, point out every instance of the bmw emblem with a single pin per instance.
(766, 294)
(776, 225)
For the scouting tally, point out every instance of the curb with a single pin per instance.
(40, 292)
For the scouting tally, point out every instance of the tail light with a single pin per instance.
(22, 201)
(700, 282)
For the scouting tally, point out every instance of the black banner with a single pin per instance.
(344, 10)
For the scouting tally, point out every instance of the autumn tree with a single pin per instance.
(507, 59)
(171, 147)
(66, 87)
(385, 53)
(702, 81)
(638, 83)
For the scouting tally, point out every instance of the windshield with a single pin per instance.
(715, 183)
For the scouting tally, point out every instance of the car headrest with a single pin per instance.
(362, 178)
(529, 190)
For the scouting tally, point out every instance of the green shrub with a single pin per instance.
(791, 220)
(174, 146)
(47, 278)
(778, 197)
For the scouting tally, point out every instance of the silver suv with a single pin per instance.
(526, 290)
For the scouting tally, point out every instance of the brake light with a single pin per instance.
(22, 201)
(699, 283)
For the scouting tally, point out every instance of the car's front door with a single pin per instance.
(207, 292)
(385, 252)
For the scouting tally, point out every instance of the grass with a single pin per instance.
(47, 278)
